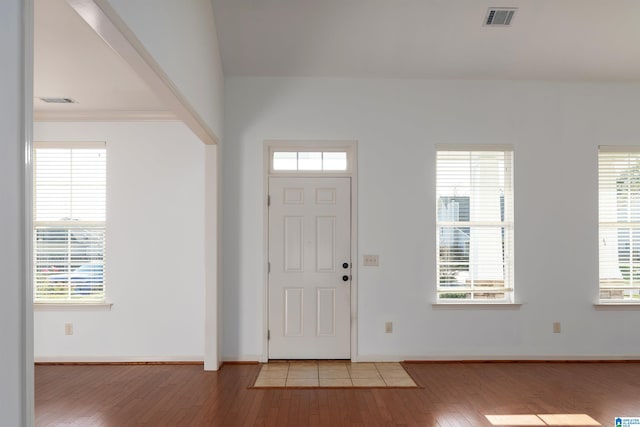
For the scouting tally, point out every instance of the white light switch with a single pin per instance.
(370, 260)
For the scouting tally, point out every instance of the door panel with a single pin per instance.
(293, 245)
(326, 312)
(309, 241)
(293, 309)
(325, 244)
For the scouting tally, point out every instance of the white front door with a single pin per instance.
(310, 268)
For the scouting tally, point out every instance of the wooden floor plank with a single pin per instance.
(452, 394)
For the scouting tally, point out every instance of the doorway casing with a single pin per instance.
(350, 147)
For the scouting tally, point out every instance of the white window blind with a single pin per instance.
(69, 222)
(474, 191)
(619, 223)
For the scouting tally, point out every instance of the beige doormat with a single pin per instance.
(318, 374)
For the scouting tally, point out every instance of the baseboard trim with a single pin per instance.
(498, 359)
(116, 363)
(634, 359)
(408, 362)
(241, 362)
(252, 358)
(364, 358)
(119, 360)
(426, 362)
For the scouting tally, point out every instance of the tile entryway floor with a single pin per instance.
(333, 374)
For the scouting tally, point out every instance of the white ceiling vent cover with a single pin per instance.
(499, 17)
(58, 100)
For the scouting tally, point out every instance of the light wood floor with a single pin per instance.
(452, 394)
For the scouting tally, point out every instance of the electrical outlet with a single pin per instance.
(388, 327)
(556, 327)
(68, 328)
(370, 260)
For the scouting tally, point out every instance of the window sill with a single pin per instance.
(617, 306)
(71, 306)
(475, 305)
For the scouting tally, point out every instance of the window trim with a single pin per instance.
(599, 306)
(509, 226)
(477, 304)
(73, 306)
(98, 304)
(612, 304)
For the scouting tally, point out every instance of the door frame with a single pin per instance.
(350, 147)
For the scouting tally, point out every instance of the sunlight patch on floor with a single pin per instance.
(568, 420)
(515, 420)
(542, 420)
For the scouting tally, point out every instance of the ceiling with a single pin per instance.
(577, 40)
(72, 61)
(583, 40)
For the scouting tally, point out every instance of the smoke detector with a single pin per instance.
(52, 100)
(499, 17)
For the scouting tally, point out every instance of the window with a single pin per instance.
(619, 224)
(69, 222)
(309, 161)
(474, 193)
(310, 158)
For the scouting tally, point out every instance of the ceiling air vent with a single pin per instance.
(59, 100)
(499, 17)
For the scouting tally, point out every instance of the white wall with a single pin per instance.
(555, 129)
(181, 36)
(155, 248)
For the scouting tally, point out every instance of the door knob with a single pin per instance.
(345, 278)
(345, 265)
